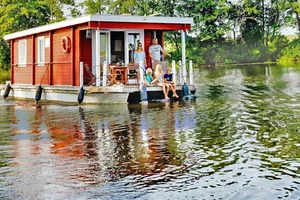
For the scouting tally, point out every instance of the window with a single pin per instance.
(22, 52)
(41, 50)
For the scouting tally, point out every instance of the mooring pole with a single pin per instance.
(104, 73)
(81, 73)
(174, 71)
(180, 72)
(191, 72)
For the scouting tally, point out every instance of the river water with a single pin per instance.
(240, 139)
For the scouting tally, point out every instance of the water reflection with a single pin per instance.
(238, 140)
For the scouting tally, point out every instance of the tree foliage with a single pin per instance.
(291, 53)
(224, 31)
(17, 15)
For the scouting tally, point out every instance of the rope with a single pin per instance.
(44, 74)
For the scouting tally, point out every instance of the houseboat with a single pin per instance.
(58, 59)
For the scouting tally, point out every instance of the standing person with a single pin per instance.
(154, 51)
(168, 78)
(140, 56)
(159, 80)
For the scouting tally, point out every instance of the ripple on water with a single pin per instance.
(237, 141)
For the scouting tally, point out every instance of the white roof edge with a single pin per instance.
(48, 27)
(105, 18)
(142, 19)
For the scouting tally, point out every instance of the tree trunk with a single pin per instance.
(298, 23)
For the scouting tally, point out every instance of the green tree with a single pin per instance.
(17, 15)
(292, 10)
(95, 6)
(56, 9)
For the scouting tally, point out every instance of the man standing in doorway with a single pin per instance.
(154, 52)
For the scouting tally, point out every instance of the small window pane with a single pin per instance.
(22, 52)
(41, 50)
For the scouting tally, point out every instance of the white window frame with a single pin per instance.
(22, 48)
(41, 51)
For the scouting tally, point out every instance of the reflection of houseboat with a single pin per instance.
(83, 51)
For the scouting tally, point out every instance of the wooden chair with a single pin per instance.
(133, 74)
(112, 78)
(91, 76)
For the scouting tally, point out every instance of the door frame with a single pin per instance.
(126, 49)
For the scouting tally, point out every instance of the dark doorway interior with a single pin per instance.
(117, 46)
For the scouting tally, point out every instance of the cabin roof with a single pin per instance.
(101, 18)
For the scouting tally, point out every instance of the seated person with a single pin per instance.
(148, 77)
(159, 80)
(168, 78)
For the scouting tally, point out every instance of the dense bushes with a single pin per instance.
(227, 52)
(291, 53)
(4, 55)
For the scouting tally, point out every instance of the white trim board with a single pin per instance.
(103, 18)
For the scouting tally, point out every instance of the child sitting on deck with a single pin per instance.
(148, 77)
(159, 80)
(168, 78)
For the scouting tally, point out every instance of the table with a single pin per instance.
(120, 70)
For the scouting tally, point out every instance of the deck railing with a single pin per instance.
(178, 72)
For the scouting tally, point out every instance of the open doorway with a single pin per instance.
(117, 46)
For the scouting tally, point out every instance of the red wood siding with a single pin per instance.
(42, 71)
(78, 57)
(22, 74)
(61, 68)
(86, 54)
(147, 44)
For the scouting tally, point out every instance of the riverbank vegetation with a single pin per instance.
(224, 31)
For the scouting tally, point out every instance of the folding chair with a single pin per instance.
(91, 76)
(133, 74)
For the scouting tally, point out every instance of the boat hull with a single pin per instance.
(118, 94)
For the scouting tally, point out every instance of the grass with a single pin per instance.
(4, 76)
(292, 37)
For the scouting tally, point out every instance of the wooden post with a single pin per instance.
(183, 55)
(81, 74)
(33, 60)
(73, 55)
(174, 71)
(12, 61)
(180, 72)
(98, 73)
(141, 72)
(104, 73)
(191, 72)
(50, 57)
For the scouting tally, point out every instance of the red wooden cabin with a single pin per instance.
(51, 54)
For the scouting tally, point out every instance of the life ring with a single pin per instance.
(65, 44)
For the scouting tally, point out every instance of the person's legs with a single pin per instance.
(167, 88)
(164, 90)
(173, 87)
